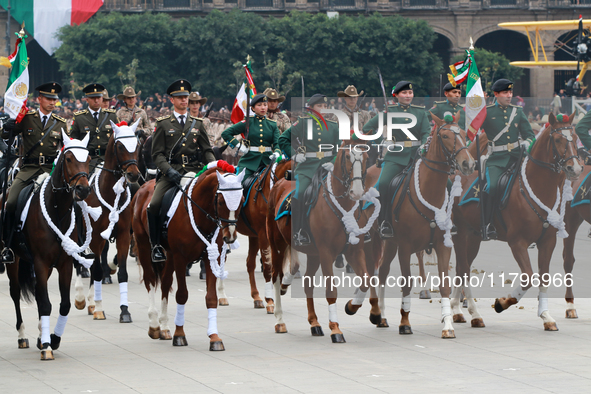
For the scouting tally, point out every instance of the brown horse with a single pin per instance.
(525, 220)
(119, 169)
(341, 192)
(255, 210)
(423, 220)
(46, 234)
(199, 228)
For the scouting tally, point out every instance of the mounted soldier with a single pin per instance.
(179, 145)
(451, 104)
(41, 133)
(273, 112)
(130, 112)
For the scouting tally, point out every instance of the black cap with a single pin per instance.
(50, 90)
(317, 99)
(93, 90)
(448, 86)
(501, 85)
(181, 87)
(400, 86)
(259, 98)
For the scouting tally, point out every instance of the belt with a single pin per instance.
(318, 155)
(98, 151)
(509, 147)
(185, 159)
(408, 144)
(261, 149)
(41, 160)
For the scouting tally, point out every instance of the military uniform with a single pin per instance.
(282, 120)
(441, 107)
(582, 130)
(132, 115)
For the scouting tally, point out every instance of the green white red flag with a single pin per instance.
(239, 107)
(475, 102)
(17, 89)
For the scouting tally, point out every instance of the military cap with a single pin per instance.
(194, 96)
(49, 89)
(181, 87)
(93, 90)
(448, 86)
(128, 92)
(351, 91)
(273, 95)
(400, 86)
(317, 99)
(259, 98)
(106, 95)
(501, 85)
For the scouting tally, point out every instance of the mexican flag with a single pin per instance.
(44, 17)
(17, 89)
(475, 102)
(239, 107)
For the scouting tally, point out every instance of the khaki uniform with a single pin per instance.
(132, 115)
(84, 123)
(283, 122)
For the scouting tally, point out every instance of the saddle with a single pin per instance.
(581, 196)
(401, 179)
(285, 207)
(585, 155)
(310, 195)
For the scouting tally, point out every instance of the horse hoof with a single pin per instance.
(459, 318)
(258, 304)
(383, 323)
(465, 303)
(46, 355)
(337, 338)
(80, 304)
(55, 341)
(571, 314)
(498, 306)
(349, 270)
(477, 323)
(448, 334)
(270, 309)
(317, 331)
(280, 328)
(550, 327)
(107, 280)
(154, 333)
(223, 302)
(90, 310)
(217, 346)
(425, 295)
(348, 310)
(98, 315)
(179, 341)
(125, 318)
(375, 319)
(165, 335)
(339, 263)
(23, 343)
(284, 290)
(404, 330)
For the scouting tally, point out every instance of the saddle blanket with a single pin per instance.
(582, 194)
(284, 207)
(187, 178)
(40, 179)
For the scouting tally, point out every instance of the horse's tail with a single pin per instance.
(26, 280)
(158, 267)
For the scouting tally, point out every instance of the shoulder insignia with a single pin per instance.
(31, 112)
(195, 117)
(417, 106)
(162, 118)
(272, 120)
(462, 105)
(488, 106)
(439, 102)
(84, 111)
(58, 118)
(110, 110)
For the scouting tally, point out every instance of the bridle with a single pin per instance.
(450, 156)
(68, 187)
(122, 166)
(348, 177)
(559, 160)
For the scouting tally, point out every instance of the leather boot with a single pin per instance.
(7, 253)
(300, 236)
(158, 255)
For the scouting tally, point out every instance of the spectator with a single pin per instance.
(556, 105)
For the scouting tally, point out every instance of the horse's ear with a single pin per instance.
(457, 117)
(86, 139)
(65, 138)
(241, 176)
(115, 127)
(135, 125)
(437, 121)
(221, 180)
(552, 119)
(571, 117)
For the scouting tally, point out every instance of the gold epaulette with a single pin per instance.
(162, 118)
(32, 112)
(492, 105)
(82, 112)
(417, 106)
(271, 120)
(439, 102)
(195, 117)
(110, 110)
(58, 118)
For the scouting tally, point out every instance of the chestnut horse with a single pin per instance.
(525, 220)
(46, 231)
(423, 221)
(255, 209)
(341, 192)
(110, 190)
(201, 227)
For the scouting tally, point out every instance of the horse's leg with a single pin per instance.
(211, 302)
(326, 261)
(375, 317)
(390, 251)
(15, 294)
(519, 250)
(404, 259)
(65, 278)
(79, 300)
(280, 327)
(251, 262)
(572, 221)
(223, 298)
(545, 249)
(311, 268)
(356, 258)
(466, 245)
(443, 255)
(182, 295)
(105, 265)
(43, 307)
(267, 271)
(424, 294)
(122, 243)
(165, 286)
(96, 278)
(90, 295)
(154, 327)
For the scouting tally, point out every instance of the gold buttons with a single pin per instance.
(41, 144)
(183, 144)
(508, 137)
(98, 137)
(183, 134)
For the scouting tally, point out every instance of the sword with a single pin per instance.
(383, 90)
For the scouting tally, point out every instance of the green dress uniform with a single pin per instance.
(441, 107)
(582, 130)
(100, 130)
(263, 135)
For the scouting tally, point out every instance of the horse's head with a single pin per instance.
(73, 165)
(562, 143)
(124, 144)
(228, 200)
(351, 166)
(448, 144)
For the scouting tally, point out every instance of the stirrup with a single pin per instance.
(301, 238)
(491, 233)
(7, 256)
(386, 230)
(158, 255)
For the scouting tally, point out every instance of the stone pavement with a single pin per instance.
(512, 354)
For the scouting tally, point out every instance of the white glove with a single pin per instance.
(300, 158)
(328, 166)
(243, 149)
(526, 144)
(275, 156)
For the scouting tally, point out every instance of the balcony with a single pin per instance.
(505, 3)
(262, 5)
(151, 5)
(341, 5)
(424, 4)
(569, 3)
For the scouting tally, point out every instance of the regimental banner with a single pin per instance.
(17, 89)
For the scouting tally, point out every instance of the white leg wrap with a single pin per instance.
(405, 305)
(98, 290)
(269, 289)
(358, 297)
(152, 312)
(212, 321)
(518, 293)
(542, 300)
(123, 293)
(570, 306)
(164, 314)
(445, 308)
(278, 306)
(79, 287)
(179, 319)
(332, 313)
(21, 331)
(45, 338)
(60, 326)
(472, 309)
(287, 279)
